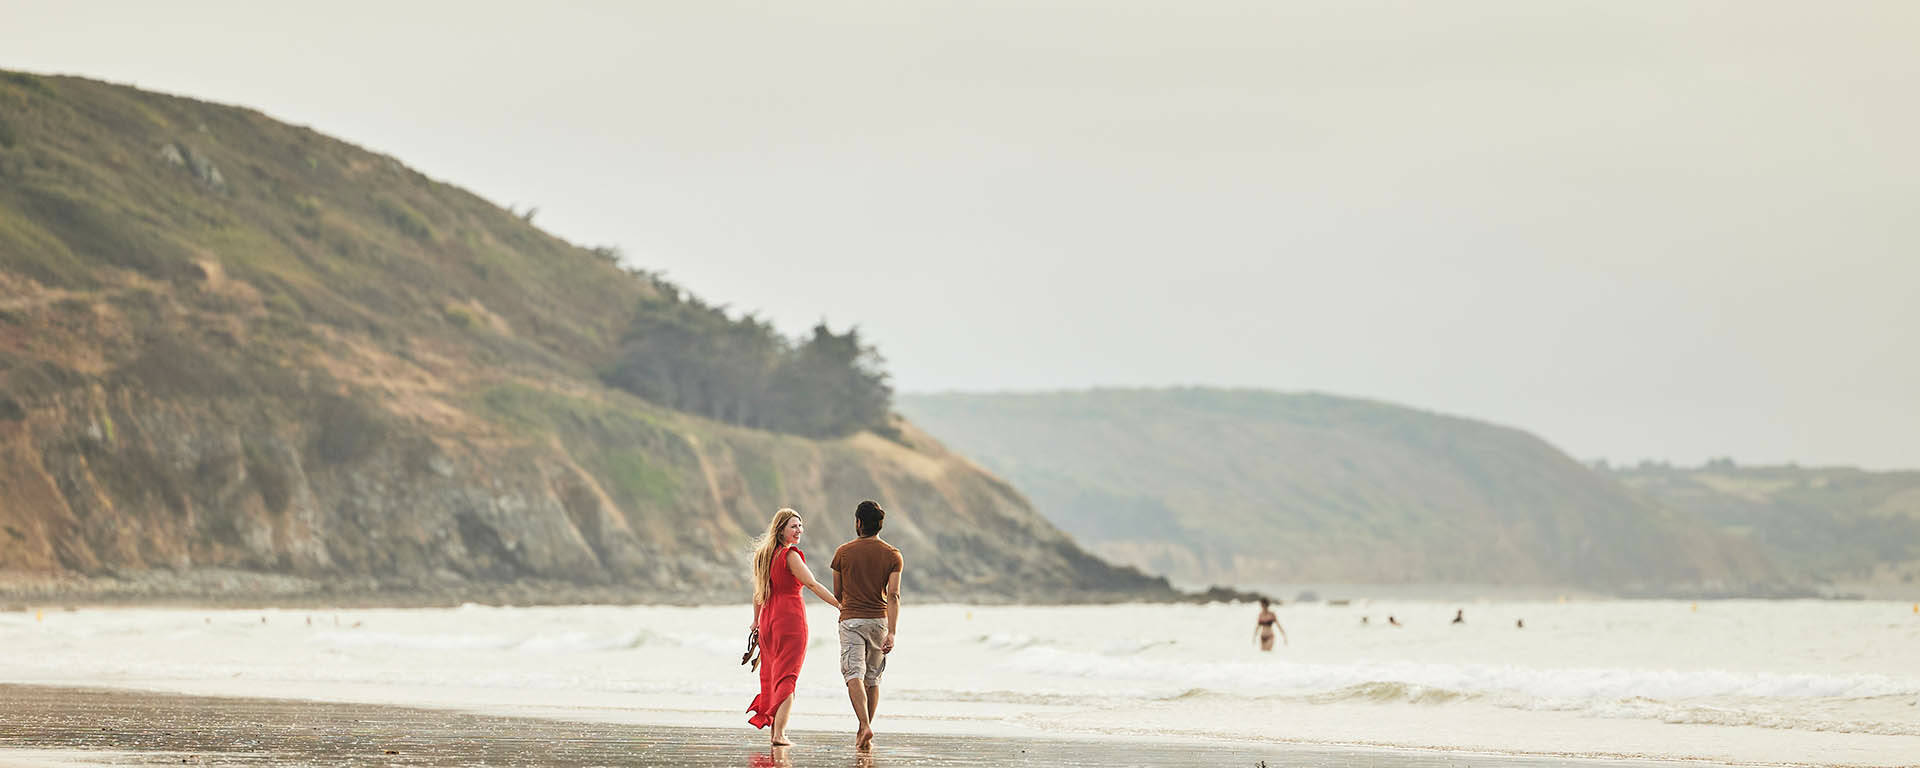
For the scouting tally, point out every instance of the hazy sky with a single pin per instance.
(1661, 229)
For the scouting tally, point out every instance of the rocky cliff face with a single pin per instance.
(239, 359)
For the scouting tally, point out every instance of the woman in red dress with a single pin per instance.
(780, 617)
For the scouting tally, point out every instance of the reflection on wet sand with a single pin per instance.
(775, 757)
(782, 757)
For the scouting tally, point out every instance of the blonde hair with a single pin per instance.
(763, 550)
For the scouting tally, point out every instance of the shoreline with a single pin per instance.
(239, 590)
(56, 725)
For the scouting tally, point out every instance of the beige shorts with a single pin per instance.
(860, 655)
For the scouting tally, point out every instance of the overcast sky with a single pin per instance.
(1665, 229)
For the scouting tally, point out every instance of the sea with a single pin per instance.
(1756, 682)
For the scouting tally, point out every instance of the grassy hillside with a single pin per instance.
(1261, 487)
(238, 356)
(1832, 525)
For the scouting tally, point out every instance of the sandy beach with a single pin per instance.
(51, 726)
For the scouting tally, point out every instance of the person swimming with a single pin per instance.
(1266, 624)
(1392, 620)
(1460, 616)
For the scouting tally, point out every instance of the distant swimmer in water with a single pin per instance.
(1392, 620)
(1266, 625)
(1519, 623)
(1363, 620)
(1460, 616)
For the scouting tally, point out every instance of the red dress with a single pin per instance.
(783, 640)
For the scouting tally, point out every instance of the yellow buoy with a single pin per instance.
(1695, 608)
(39, 615)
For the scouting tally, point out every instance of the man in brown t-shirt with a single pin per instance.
(866, 581)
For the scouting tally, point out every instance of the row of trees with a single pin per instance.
(689, 355)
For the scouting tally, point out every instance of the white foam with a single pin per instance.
(418, 642)
(579, 642)
(1006, 641)
(1257, 678)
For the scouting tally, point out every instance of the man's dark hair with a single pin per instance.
(867, 518)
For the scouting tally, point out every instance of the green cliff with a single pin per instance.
(1255, 487)
(240, 359)
(1848, 529)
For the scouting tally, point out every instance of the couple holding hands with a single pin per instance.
(866, 589)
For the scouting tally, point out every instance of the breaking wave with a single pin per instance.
(1757, 699)
(1564, 683)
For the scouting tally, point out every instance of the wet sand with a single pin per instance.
(43, 726)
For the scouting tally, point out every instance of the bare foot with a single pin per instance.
(778, 742)
(864, 739)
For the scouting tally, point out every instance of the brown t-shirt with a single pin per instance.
(860, 569)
